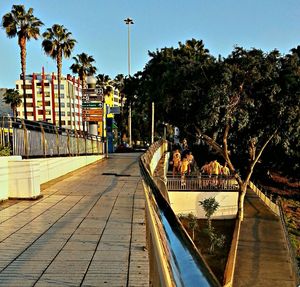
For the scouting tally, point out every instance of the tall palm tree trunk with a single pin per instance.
(59, 63)
(82, 94)
(14, 110)
(22, 44)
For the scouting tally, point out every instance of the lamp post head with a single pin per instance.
(128, 21)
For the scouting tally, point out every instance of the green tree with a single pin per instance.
(192, 223)
(240, 105)
(13, 98)
(140, 103)
(215, 240)
(119, 83)
(248, 89)
(83, 66)
(25, 26)
(210, 206)
(58, 42)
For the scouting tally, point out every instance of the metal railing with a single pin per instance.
(202, 182)
(264, 197)
(276, 207)
(296, 268)
(39, 139)
(174, 259)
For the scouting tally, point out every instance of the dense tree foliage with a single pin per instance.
(240, 105)
(255, 93)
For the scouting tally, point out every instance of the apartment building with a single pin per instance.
(42, 99)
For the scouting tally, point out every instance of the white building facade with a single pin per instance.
(42, 100)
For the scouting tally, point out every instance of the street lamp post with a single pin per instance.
(128, 22)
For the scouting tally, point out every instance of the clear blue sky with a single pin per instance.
(100, 31)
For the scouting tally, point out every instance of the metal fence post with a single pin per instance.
(68, 143)
(26, 146)
(43, 140)
(57, 140)
(10, 132)
(2, 141)
(77, 142)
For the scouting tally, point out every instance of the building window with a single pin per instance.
(29, 105)
(27, 87)
(62, 87)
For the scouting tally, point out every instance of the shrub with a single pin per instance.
(4, 151)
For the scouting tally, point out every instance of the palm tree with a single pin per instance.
(56, 44)
(106, 83)
(119, 84)
(13, 98)
(83, 67)
(23, 24)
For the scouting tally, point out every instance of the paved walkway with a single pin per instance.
(262, 257)
(87, 230)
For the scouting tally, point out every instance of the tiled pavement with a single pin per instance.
(87, 230)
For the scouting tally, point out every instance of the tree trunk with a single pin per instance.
(242, 194)
(82, 94)
(209, 223)
(59, 63)
(22, 44)
(14, 110)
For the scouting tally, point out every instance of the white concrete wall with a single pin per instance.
(22, 178)
(188, 202)
(4, 183)
(52, 168)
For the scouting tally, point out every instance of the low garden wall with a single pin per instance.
(185, 202)
(22, 178)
